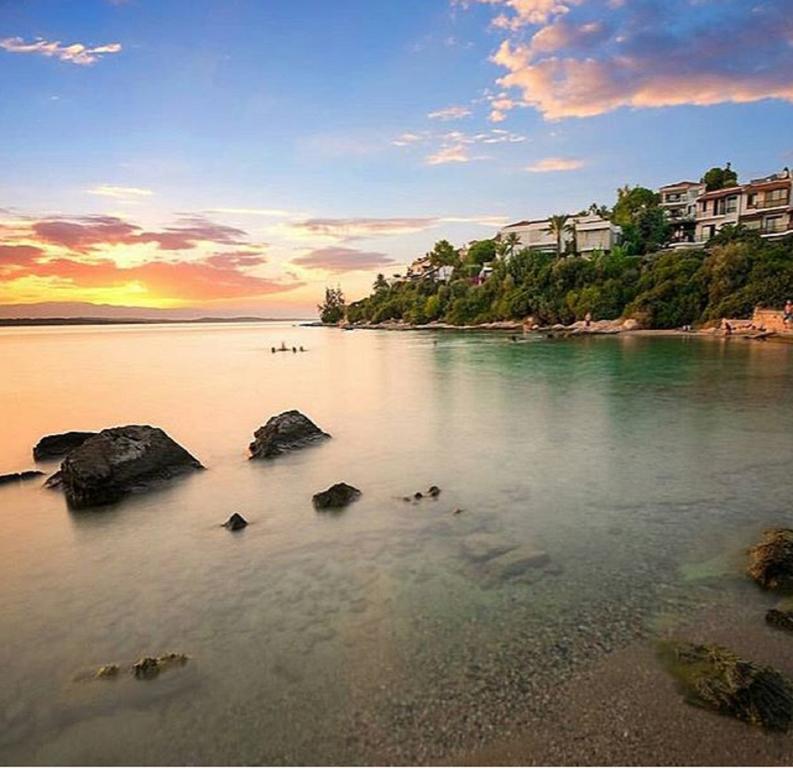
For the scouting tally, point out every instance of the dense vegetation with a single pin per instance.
(735, 272)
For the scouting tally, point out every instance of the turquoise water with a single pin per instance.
(640, 466)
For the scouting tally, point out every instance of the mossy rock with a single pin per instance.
(714, 678)
(771, 560)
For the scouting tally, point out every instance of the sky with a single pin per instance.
(238, 156)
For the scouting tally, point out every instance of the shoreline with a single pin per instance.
(578, 329)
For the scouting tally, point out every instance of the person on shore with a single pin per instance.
(588, 319)
(787, 316)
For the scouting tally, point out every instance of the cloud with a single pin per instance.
(453, 153)
(339, 260)
(450, 113)
(85, 233)
(586, 59)
(358, 228)
(76, 53)
(76, 259)
(552, 164)
(120, 193)
(276, 213)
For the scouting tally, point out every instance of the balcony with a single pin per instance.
(773, 227)
(772, 203)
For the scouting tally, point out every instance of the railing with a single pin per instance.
(770, 229)
(778, 203)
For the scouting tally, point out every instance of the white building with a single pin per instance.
(679, 203)
(591, 233)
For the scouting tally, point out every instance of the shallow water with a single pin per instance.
(639, 465)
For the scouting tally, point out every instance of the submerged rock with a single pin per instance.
(780, 619)
(118, 461)
(485, 546)
(149, 666)
(434, 491)
(338, 495)
(715, 678)
(771, 560)
(235, 523)
(16, 477)
(525, 560)
(55, 446)
(286, 432)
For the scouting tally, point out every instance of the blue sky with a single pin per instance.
(338, 139)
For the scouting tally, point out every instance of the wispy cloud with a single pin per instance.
(553, 164)
(120, 193)
(449, 113)
(337, 260)
(274, 213)
(75, 53)
(452, 153)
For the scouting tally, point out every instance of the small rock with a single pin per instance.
(16, 477)
(149, 667)
(771, 560)
(418, 495)
(55, 446)
(235, 523)
(286, 432)
(780, 619)
(146, 668)
(434, 491)
(338, 495)
(457, 511)
(107, 671)
(517, 563)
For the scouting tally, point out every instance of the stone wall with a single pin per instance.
(770, 320)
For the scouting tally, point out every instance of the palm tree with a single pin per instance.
(511, 242)
(558, 226)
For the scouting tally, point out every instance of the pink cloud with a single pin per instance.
(75, 53)
(340, 260)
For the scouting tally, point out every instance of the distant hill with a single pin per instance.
(81, 313)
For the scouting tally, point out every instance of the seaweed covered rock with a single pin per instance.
(780, 619)
(771, 560)
(715, 678)
(149, 666)
(118, 461)
(337, 496)
(287, 431)
(55, 446)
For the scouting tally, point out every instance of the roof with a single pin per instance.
(721, 192)
(682, 184)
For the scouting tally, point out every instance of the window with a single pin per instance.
(731, 204)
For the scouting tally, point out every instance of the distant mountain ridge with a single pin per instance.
(75, 312)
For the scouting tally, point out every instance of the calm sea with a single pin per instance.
(641, 466)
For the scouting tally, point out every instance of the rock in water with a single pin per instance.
(118, 461)
(16, 477)
(286, 432)
(235, 523)
(715, 678)
(434, 491)
(771, 561)
(55, 446)
(780, 619)
(149, 667)
(339, 495)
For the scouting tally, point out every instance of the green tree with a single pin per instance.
(510, 242)
(380, 283)
(444, 254)
(631, 201)
(559, 226)
(332, 310)
(719, 178)
(481, 252)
